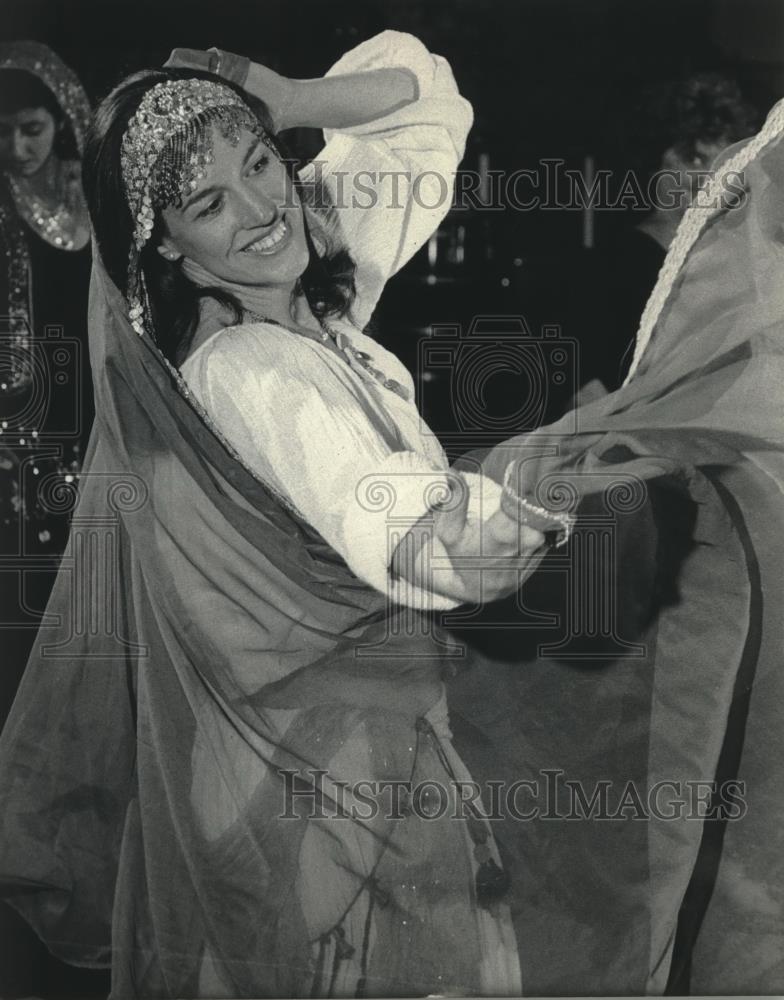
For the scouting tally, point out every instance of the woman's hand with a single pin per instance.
(333, 102)
(275, 90)
(489, 558)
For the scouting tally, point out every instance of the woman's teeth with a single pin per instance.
(270, 241)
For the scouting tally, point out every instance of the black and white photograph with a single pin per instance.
(391, 499)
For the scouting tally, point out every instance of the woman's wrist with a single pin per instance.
(334, 102)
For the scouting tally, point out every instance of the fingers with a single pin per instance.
(192, 59)
(230, 66)
(225, 64)
(507, 534)
(502, 530)
(449, 517)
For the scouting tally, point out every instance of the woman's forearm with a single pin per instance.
(335, 101)
(340, 101)
(497, 551)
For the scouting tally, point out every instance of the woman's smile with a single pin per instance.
(272, 241)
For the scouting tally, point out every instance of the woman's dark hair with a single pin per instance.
(20, 91)
(175, 301)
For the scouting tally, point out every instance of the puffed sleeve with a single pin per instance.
(310, 436)
(392, 179)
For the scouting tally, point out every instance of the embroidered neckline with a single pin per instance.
(58, 227)
(356, 359)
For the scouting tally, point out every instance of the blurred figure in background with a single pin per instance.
(670, 141)
(665, 144)
(677, 134)
(45, 383)
(45, 391)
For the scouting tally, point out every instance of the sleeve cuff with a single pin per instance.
(438, 99)
(389, 50)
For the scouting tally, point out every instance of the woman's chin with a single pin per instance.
(282, 268)
(23, 170)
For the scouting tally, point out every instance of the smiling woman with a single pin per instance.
(205, 247)
(229, 241)
(279, 505)
(242, 225)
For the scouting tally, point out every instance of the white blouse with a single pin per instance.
(349, 454)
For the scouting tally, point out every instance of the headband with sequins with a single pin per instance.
(165, 152)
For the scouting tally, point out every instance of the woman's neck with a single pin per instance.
(277, 303)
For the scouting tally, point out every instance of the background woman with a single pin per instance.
(671, 136)
(45, 381)
(45, 388)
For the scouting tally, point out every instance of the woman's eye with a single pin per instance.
(32, 130)
(259, 165)
(212, 209)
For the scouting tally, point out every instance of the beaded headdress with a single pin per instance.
(166, 150)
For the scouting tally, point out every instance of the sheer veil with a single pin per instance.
(663, 669)
(200, 639)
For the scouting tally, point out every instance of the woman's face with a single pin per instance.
(26, 140)
(243, 222)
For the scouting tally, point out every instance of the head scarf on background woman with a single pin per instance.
(40, 62)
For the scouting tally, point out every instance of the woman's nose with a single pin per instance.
(19, 146)
(258, 209)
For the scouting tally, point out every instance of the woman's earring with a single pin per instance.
(168, 254)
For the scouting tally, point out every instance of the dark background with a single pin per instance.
(547, 79)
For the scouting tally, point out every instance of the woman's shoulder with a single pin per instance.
(233, 354)
(224, 341)
(254, 357)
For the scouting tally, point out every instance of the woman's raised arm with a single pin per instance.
(330, 102)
